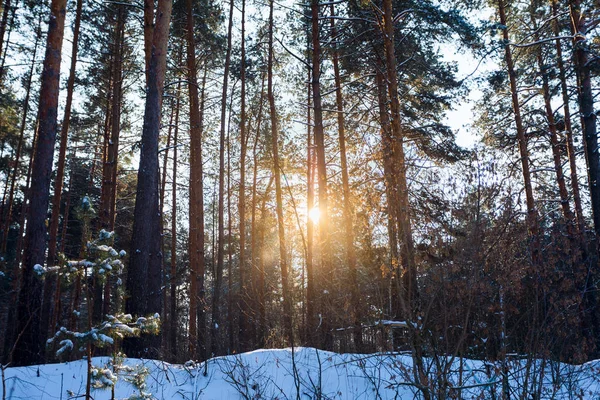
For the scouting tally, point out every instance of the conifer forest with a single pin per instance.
(184, 180)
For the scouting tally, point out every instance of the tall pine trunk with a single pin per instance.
(347, 211)
(389, 172)
(407, 251)
(554, 140)
(51, 281)
(216, 311)
(325, 277)
(231, 308)
(107, 203)
(3, 24)
(311, 283)
(590, 141)
(562, 75)
(254, 301)
(148, 36)
(243, 291)
(30, 342)
(167, 316)
(144, 272)
(174, 319)
(285, 284)
(109, 172)
(532, 222)
(197, 337)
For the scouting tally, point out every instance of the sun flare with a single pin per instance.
(314, 214)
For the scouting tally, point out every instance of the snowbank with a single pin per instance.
(304, 374)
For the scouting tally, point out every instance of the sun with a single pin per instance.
(314, 214)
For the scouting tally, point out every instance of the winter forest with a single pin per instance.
(405, 190)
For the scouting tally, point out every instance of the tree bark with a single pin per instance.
(554, 141)
(163, 187)
(287, 305)
(3, 25)
(109, 178)
(241, 299)
(407, 251)
(255, 271)
(389, 172)
(107, 204)
(231, 308)
(174, 323)
(586, 108)
(311, 282)
(216, 311)
(197, 343)
(51, 281)
(261, 295)
(562, 74)
(144, 272)
(148, 35)
(5, 53)
(590, 141)
(325, 276)
(29, 347)
(532, 222)
(347, 210)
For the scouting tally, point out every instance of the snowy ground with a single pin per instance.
(275, 374)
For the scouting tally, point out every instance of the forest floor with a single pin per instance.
(305, 374)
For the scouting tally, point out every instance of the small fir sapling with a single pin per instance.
(102, 262)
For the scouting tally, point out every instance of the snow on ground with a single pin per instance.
(304, 374)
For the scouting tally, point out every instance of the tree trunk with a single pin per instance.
(29, 347)
(174, 323)
(144, 272)
(347, 211)
(51, 281)
(532, 222)
(255, 271)
(107, 206)
(148, 36)
(3, 25)
(216, 311)
(554, 142)
(311, 282)
(407, 251)
(255, 306)
(241, 299)
(230, 295)
(285, 284)
(109, 172)
(568, 126)
(590, 141)
(163, 186)
(586, 108)
(163, 180)
(262, 288)
(197, 337)
(389, 172)
(201, 312)
(325, 276)
(5, 53)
